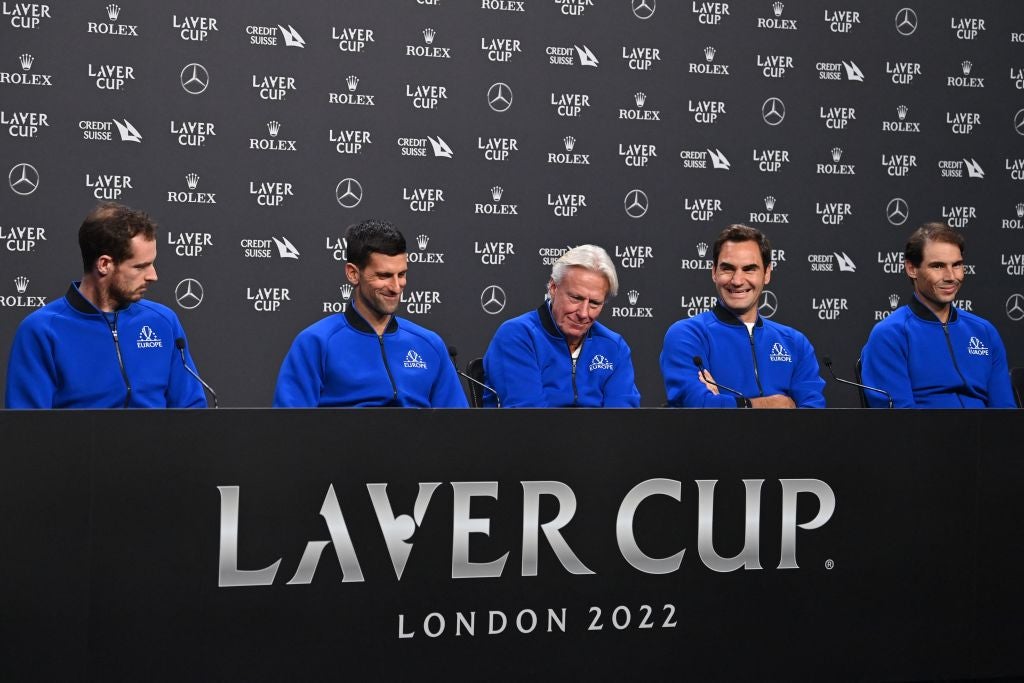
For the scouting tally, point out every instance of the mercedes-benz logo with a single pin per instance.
(195, 78)
(897, 211)
(644, 9)
(349, 193)
(188, 293)
(492, 299)
(499, 97)
(1018, 122)
(906, 21)
(1015, 307)
(23, 178)
(773, 111)
(635, 203)
(769, 304)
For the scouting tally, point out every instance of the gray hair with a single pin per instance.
(591, 257)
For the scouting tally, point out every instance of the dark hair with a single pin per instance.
(934, 231)
(370, 237)
(109, 229)
(743, 233)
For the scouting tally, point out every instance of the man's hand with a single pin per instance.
(774, 401)
(704, 377)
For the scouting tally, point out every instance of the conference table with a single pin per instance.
(273, 544)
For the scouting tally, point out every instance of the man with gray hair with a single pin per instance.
(559, 355)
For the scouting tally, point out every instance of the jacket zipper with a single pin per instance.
(120, 359)
(949, 347)
(387, 367)
(753, 357)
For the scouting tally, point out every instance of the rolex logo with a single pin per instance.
(1020, 210)
(570, 142)
(640, 98)
(352, 82)
(894, 300)
(113, 11)
(21, 283)
(777, 8)
(901, 111)
(709, 53)
(428, 36)
(421, 241)
(26, 61)
(192, 179)
(837, 154)
(632, 295)
(496, 192)
(273, 127)
(702, 249)
(967, 65)
(346, 291)
(769, 203)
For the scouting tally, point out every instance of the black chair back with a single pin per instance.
(475, 369)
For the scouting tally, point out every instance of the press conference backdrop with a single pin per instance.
(497, 134)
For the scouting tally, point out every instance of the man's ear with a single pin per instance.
(352, 273)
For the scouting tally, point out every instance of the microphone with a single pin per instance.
(452, 352)
(827, 360)
(704, 376)
(179, 344)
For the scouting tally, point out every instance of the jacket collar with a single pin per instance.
(726, 316)
(358, 322)
(925, 313)
(78, 301)
(548, 323)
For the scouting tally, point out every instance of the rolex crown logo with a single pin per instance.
(901, 111)
(1020, 210)
(777, 8)
(192, 179)
(709, 53)
(570, 142)
(26, 61)
(894, 300)
(273, 127)
(421, 241)
(428, 36)
(967, 65)
(352, 82)
(632, 295)
(496, 192)
(346, 291)
(702, 249)
(769, 203)
(21, 283)
(640, 98)
(113, 11)
(837, 154)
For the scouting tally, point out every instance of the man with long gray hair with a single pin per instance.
(558, 355)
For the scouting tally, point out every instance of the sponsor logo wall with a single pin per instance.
(497, 134)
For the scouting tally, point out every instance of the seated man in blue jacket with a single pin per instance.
(559, 355)
(368, 356)
(929, 353)
(101, 345)
(765, 364)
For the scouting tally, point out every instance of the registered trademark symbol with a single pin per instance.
(829, 564)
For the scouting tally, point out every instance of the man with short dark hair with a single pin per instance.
(101, 345)
(929, 353)
(558, 355)
(769, 364)
(368, 356)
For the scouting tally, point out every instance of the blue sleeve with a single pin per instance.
(512, 368)
(301, 376)
(31, 371)
(1000, 390)
(183, 390)
(620, 390)
(884, 365)
(683, 387)
(807, 385)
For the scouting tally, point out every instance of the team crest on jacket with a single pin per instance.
(779, 354)
(599, 362)
(414, 360)
(148, 339)
(976, 347)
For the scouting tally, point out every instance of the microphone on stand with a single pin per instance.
(827, 360)
(705, 376)
(179, 344)
(452, 352)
